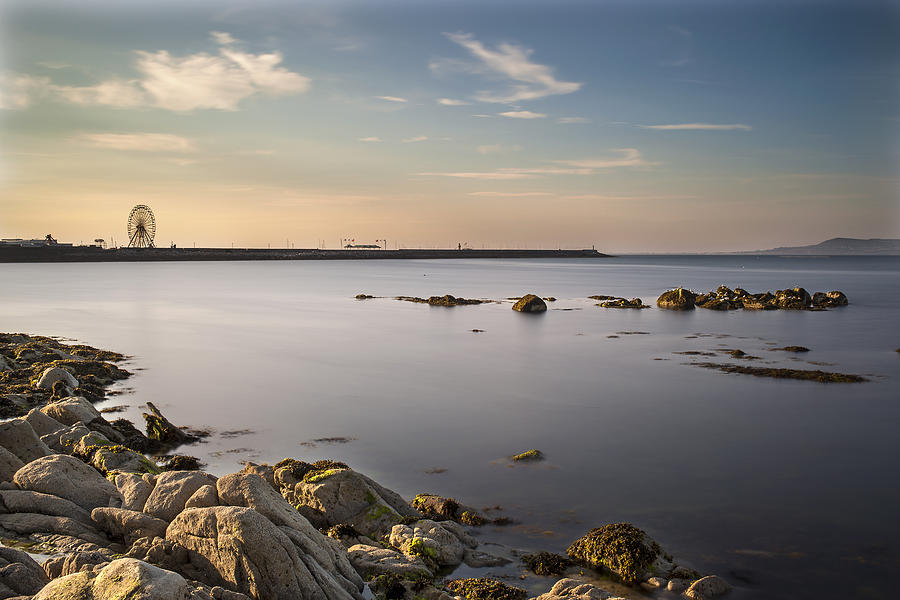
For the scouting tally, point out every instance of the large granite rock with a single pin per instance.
(69, 478)
(27, 524)
(71, 410)
(371, 561)
(530, 303)
(572, 589)
(125, 578)
(172, 491)
(59, 565)
(345, 496)
(708, 588)
(437, 544)
(53, 374)
(19, 437)
(26, 501)
(20, 575)
(41, 423)
(240, 549)
(9, 464)
(204, 497)
(127, 525)
(678, 299)
(64, 440)
(135, 490)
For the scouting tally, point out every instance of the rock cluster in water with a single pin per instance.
(724, 298)
(117, 526)
(445, 300)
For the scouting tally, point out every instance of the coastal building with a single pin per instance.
(46, 241)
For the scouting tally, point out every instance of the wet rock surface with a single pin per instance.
(530, 303)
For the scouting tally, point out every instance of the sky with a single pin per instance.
(628, 125)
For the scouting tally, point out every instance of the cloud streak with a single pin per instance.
(522, 114)
(392, 98)
(625, 158)
(528, 80)
(141, 142)
(699, 127)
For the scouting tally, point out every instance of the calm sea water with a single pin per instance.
(789, 489)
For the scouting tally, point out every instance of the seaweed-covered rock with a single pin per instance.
(19, 437)
(435, 543)
(793, 299)
(181, 462)
(530, 303)
(172, 491)
(708, 588)
(546, 563)
(572, 589)
(678, 299)
(120, 579)
(107, 458)
(829, 299)
(342, 495)
(69, 478)
(621, 548)
(159, 428)
(623, 303)
(241, 550)
(485, 588)
(20, 575)
(436, 508)
(532, 455)
(370, 561)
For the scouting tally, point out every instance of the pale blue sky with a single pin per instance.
(635, 126)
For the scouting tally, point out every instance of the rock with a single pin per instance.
(678, 585)
(657, 582)
(26, 524)
(69, 478)
(436, 508)
(546, 564)
(829, 299)
(9, 464)
(120, 579)
(64, 440)
(19, 573)
(344, 496)
(134, 489)
(18, 437)
(134, 439)
(678, 299)
(485, 588)
(374, 560)
(265, 471)
(572, 589)
(53, 374)
(204, 497)
(709, 587)
(118, 458)
(623, 303)
(41, 423)
(172, 491)
(71, 410)
(181, 462)
(159, 428)
(128, 525)
(794, 299)
(530, 303)
(73, 562)
(478, 560)
(529, 456)
(240, 549)
(621, 548)
(430, 541)
(26, 501)
(252, 491)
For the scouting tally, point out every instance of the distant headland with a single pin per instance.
(840, 246)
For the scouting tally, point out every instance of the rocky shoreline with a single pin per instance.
(118, 524)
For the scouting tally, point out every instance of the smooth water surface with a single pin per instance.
(789, 489)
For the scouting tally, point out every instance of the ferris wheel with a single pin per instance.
(141, 227)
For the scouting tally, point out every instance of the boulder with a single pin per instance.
(204, 497)
(572, 589)
(621, 548)
(64, 440)
(530, 303)
(430, 541)
(345, 496)
(265, 471)
(793, 299)
(241, 550)
(19, 437)
(829, 299)
(9, 464)
(127, 525)
(26, 524)
(707, 588)
(160, 429)
(120, 579)
(134, 489)
(172, 491)
(71, 410)
(118, 458)
(41, 423)
(26, 501)
(69, 478)
(678, 299)
(375, 560)
(73, 562)
(252, 491)
(53, 374)
(20, 575)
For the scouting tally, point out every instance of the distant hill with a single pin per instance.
(840, 246)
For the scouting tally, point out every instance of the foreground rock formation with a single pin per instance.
(724, 298)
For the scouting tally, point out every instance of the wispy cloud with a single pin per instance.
(141, 142)
(684, 55)
(627, 157)
(452, 102)
(392, 98)
(522, 114)
(196, 81)
(571, 120)
(528, 80)
(509, 194)
(412, 140)
(497, 149)
(371, 138)
(18, 91)
(489, 175)
(699, 127)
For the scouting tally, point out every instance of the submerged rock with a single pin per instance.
(529, 456)
(678, 299)
(620, 548)
(530, 303)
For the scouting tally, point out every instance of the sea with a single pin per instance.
(787, 489)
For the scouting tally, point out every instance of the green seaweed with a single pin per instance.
(485, 588)
(620, 547)
(529, 455)
(546, 563)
